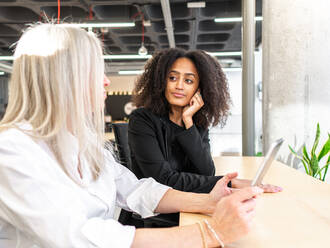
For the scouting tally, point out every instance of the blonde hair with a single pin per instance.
(57, 87)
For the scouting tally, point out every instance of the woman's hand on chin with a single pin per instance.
(195, 104)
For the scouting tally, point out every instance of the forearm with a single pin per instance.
(177, 201)
(185, 236)
(188, 122)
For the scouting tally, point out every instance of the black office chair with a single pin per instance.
(128, 218)
(121, 143)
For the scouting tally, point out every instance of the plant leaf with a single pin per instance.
(325, 149)
(314, 165)
(305, 153)
(305, 163)
(295, 153)
(316, 141)
(306, 167)
(326, 169)
(320, 170)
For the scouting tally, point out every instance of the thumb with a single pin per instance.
(247, 193)
(228, 177)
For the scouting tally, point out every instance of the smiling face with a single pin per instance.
(182, 82)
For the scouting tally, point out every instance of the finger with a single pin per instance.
(250, 215)
(247, 193)
(249, 205)
(198, 99)
(226, 178)
(191, 101)
(268, 188)
(234, 190)
(232, 175)
(199, 95)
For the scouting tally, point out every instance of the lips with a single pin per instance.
(178, 95)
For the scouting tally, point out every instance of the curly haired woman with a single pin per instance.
(180, 94)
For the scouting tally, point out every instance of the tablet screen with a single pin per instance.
(270, 156)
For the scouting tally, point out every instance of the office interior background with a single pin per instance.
(291, 58)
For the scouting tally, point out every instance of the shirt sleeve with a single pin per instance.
(150, 160)
(34, 200)
(140, 196)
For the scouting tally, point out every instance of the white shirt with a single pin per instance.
(40, 206)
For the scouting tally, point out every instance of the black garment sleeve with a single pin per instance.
(197, 150)
(149, 158)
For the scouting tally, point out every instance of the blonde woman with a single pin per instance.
(59, 187)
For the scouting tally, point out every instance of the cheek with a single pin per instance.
(106, 83)
(167, 91)
(191, 92)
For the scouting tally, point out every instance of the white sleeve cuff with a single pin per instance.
(145, 198)
(108, 233)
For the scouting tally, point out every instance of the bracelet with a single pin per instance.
(214, 234)
(202, 234)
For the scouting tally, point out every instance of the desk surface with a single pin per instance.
(297, 217)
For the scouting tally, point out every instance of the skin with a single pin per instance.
(106, 82)
(182, 92)
(232, 214)
(232, 210)
(183, 95)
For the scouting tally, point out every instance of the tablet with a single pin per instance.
(270, 156)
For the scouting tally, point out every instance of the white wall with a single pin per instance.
(228, 140)
(296, 62)
(121, 83)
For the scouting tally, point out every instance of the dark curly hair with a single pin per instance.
(149, 91)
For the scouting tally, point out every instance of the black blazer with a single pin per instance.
(149, 146)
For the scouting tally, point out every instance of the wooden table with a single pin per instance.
(298, 217)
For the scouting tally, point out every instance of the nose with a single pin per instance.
(179, 84)
(106, 81)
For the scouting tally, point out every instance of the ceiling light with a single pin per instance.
(196, 5)
(9, 58)
(225, 53)
(127, 56)
(147, 23)
(2, 73)
(235, 19)
(131, 72)
(232, 69)
(143, 50)
(101, 25)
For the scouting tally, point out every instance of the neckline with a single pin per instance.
(173, 123)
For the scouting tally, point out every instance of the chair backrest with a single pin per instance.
(126, 218)
(121, 137)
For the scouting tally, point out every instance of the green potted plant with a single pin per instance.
(311, 160)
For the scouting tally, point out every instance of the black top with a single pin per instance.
(169, 153)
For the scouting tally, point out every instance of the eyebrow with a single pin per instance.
(188, 74)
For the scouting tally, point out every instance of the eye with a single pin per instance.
(189, 81)
(172, 78)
